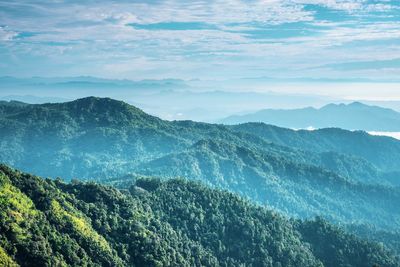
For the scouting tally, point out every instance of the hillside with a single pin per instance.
(354, 116)
(381, 151)
(81, 138)
(174, 223)
(101, 137)
(297, 189)
(93, 137)
(300, 173)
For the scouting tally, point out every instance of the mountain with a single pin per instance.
(104, 137)
(81, 138)
(303, 175)
(383, 152)
(154, 223)
(95, 137)
(354, 116)
(295, 188)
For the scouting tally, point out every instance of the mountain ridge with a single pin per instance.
(353, 116)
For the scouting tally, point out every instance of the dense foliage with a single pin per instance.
(338, 248)
(291, 187)
(155, 223)
(388, 238)
(382, 152)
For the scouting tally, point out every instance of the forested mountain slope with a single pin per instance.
(83, 137)
(295, 172)
(101, 137)
(172, 223)
(295, 188)
(383, 152)
(94, 137)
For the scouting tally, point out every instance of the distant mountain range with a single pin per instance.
(354, 116)
(170, 99)
(31, 99)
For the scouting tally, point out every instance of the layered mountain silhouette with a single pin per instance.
(354, 116)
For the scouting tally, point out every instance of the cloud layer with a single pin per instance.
(349, 39)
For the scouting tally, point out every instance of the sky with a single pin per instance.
(352, 45)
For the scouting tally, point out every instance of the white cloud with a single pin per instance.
(7, 35)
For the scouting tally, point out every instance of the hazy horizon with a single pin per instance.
(202, 60)
(333, 48)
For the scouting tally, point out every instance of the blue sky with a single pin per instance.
(207, 40)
